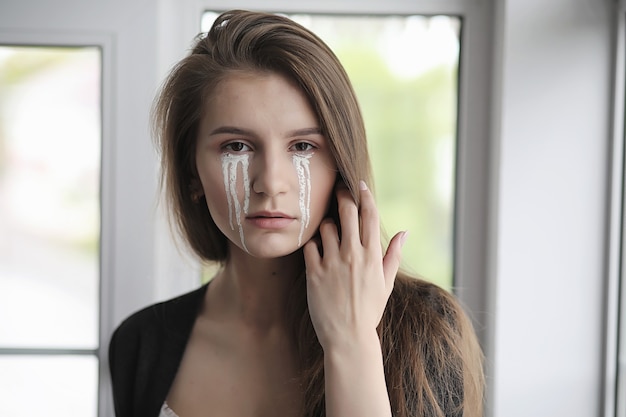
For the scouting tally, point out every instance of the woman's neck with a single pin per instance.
(254, 291)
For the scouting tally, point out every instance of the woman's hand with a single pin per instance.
(348, 287)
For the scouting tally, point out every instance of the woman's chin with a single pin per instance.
(268, 250)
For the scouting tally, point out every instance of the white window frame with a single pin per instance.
(124, 32)
(105, 44)
(614, 400)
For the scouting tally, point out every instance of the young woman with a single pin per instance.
(266, 169)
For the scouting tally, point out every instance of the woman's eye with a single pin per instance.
(237, 147)
(303, 147)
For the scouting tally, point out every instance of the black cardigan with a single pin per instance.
(146, 350)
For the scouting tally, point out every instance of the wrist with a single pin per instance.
(354, 345)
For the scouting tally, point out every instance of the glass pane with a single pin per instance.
(49, 196)
(404, 70)
(51, 386)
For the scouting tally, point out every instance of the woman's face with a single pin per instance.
(266, 170)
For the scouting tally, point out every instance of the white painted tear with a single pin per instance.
(301, 163)
(230, 164)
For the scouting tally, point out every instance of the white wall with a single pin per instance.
(551, 136)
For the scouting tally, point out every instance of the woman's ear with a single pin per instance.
(195, 190)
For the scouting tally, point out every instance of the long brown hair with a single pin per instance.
(433, 363)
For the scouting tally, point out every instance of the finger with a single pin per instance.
(370, 221)
(311, 253)
(330, 236)
(392, 258)
(348, 217)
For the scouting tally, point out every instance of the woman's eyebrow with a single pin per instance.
(305, 132)
(239, 131)
(230, 130)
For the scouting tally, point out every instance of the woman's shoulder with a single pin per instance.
(145, 350)
(161, 316)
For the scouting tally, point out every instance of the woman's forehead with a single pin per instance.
(259, 99)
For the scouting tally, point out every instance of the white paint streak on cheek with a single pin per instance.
(226, 162)
(230, 164)
(301, 163)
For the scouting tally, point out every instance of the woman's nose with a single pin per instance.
(271, 173)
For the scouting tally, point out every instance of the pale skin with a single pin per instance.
(240, 361)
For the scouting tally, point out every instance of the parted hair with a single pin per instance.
(432, 359)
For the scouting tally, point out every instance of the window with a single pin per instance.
(50, 139)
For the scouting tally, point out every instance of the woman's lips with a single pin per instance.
(270, 220)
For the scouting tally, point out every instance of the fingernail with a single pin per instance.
(362, 185)
(405, 234)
